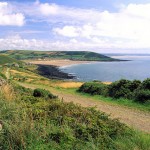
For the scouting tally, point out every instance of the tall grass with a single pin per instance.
(7, 91)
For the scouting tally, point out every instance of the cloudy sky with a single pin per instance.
(96, 25)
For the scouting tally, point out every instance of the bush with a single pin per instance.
(120, 89)
(145, 84)
(29, 99)
(94, 88)
(134, 85)
(43, 93)
(132, 90)
(142, 95)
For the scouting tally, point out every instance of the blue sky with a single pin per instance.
(95, 25)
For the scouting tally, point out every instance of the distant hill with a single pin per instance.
(71, 55)
(6, 59)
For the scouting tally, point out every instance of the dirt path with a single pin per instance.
(137, 119)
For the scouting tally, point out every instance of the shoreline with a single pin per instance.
(53, 72)
(51, 69)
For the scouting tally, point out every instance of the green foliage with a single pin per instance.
(131, 90)
(145, 85)
(134, 85)
(142, 96)
(43, 93)
(94, 88)
(120, 89)
(66, 125)
(22, 90)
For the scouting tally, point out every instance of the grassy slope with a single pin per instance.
(5, 59)
(37, 123)
(72, 55)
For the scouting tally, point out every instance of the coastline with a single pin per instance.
(60, 63)
(53, 72)
(51, 68)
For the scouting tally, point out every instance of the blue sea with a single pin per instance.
(137, 68)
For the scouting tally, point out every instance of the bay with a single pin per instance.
(137, 68)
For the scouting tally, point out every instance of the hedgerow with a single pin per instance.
(132, 90)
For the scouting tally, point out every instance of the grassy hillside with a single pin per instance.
(31, 120)
(72, 55)
(5, 59)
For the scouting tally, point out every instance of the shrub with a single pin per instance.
(43, 93)
(145, 84)
(134, 85)
(142, 95)
(22, 90)
(30, 99)
(131, 90)
(94, 88)
(120, 89)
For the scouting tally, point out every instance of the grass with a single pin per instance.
(67, 85)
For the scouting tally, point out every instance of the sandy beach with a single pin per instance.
(59, 63)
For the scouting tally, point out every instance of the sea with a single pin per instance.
(138, 67)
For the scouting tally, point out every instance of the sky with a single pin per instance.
(104, 26)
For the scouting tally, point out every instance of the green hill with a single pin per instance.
(72, 55)
(6, 59)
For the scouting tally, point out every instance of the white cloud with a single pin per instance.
(130, 25)
(73, 41)
(7, 17)
(47, 9)
(67, 14)
(68, 31)
(139, 10)
(80, 28)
